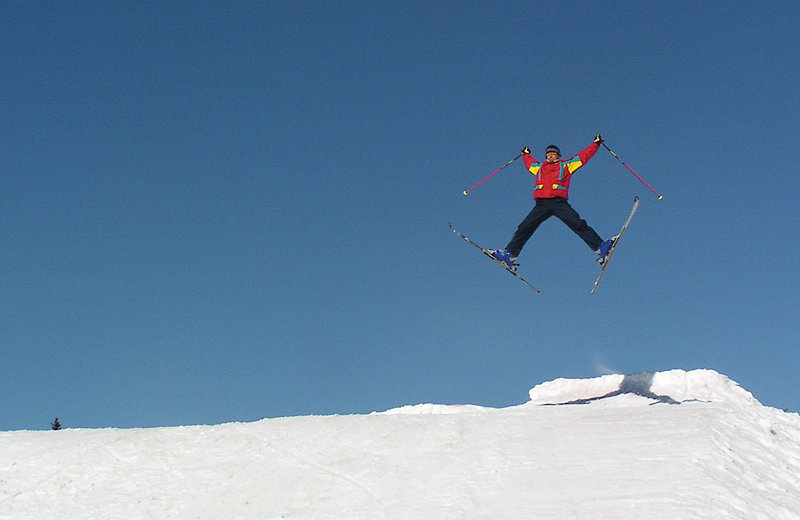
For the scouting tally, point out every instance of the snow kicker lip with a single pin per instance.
(672, 386)
(638, 384)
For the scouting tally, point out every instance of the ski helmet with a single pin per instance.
(552, 148)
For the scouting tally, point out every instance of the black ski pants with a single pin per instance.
(543, 210)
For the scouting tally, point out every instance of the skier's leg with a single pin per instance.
(570, 217)
(526, 228)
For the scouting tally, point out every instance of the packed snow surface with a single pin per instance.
(667, 445)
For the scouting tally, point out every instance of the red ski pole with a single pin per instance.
(660, 197)
(465, 192)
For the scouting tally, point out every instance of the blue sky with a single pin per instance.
(222, 213)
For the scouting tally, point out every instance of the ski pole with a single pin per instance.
(660, 197)
(465, 192)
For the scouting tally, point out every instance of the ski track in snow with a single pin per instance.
(660, 445)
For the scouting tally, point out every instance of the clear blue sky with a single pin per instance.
(219, 212)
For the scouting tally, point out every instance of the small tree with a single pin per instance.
(55, 424)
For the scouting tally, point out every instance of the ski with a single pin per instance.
(615, 242)
(487, 253)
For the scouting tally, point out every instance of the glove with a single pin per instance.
(526, 150)
(598, 139)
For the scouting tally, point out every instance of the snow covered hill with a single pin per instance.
(669, 445)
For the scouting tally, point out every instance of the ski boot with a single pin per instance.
(505, 257)
(604, 249)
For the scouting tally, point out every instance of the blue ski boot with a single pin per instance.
(604, 248)
(505, 257)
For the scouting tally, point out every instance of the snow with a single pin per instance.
(661, 445)
(675, 385)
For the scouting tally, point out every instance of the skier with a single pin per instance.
(550, 193)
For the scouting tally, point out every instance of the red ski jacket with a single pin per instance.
(552, 179)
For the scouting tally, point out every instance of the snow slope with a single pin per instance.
(669, 445)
